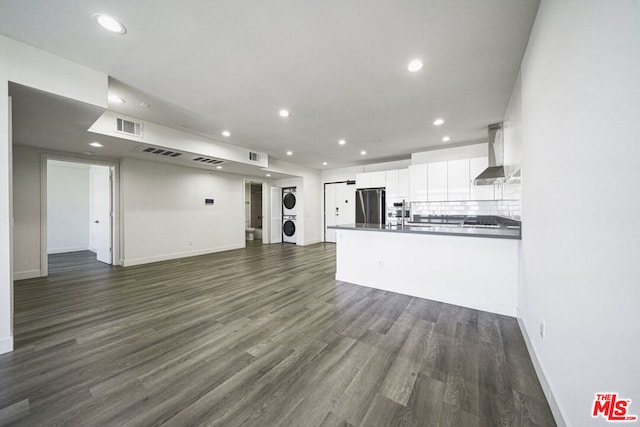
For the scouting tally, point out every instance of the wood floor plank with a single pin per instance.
(260, 336)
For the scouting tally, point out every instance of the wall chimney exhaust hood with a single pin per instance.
(494, 173)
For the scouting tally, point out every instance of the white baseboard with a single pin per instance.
(546, 388)
(168, 257)
(65, 250)
(310, 242)
(22, 275)
(6, 344)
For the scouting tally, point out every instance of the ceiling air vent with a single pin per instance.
(161, 152)
(128, 127)
(253, 156)
(208, 160)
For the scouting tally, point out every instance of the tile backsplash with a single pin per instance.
(510, 208)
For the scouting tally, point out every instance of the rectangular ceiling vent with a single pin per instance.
(208, 160)
(161, 152)
(128, 127)
(253, 156)
(158, 151)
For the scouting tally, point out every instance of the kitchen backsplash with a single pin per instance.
(507, 208)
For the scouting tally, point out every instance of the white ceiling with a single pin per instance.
(339, 66)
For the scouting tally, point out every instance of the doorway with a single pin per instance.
(255, 203)
(78, 221)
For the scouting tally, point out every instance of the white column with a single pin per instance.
(6, 281)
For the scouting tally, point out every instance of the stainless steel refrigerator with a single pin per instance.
(370, 206)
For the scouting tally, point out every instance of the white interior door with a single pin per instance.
(346, 203)
(276, 214)
(330, 212)
(100, 226)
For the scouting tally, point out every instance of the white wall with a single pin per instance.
(580, 269)
(26, 212)
(32, 67)
(67, 207)
(164, 215)
(36, 68)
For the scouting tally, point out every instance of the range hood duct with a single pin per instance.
(494, 173)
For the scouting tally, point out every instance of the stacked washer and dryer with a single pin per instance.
(289, 212)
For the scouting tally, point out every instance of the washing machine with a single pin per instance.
(289, 202)
(289, 229)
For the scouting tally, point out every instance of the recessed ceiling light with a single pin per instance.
(109, 23)
(289, 153)
(144, 105)
(324, 163)
(414, 65)
(114, 99)
(96, 144)
(268, 174)
(363, 153)
(226, 133)
(284, 113)
(218, 167)
(446, 138)
(438, 122)
(342, 142)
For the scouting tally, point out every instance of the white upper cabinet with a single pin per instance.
(448, 181)
(437, 181)
(418, 187)
(458, 182)
(363, 180)
(397, 184)
(392, 186)
(479, 192)
(378, 179)
(403, 183)
(371, 179)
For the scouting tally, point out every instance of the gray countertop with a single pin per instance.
(448, 230)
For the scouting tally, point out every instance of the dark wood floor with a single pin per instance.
(75, 261)
(260, 336)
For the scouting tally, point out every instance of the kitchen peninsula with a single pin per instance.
(470, 266)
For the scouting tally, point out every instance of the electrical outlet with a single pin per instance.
(542, 330)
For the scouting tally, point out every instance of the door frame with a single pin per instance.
(116, 239)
